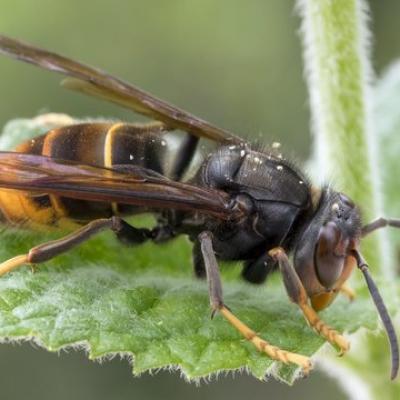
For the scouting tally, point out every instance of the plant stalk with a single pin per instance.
(338, 71)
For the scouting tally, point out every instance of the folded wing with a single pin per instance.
(99, 83)
(138, 186)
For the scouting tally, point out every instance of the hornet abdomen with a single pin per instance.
(104, 144)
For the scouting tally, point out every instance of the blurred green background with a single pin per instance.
(235, 63)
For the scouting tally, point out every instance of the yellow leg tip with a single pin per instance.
(276, 252)
(336, 339)
(343, 344)
(33, 268)
(323, 329)
(300, 360)
(307, 367)
(348, 292)
(13, 263)
(263, 346)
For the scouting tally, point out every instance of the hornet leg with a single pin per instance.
(198, 261)
(256, 271)
(298, 295)
(348, 292)
(217, 304)
(379, 223)
(49, 250)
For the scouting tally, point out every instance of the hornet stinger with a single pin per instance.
(239, 204)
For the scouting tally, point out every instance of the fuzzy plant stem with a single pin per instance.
(338, 71)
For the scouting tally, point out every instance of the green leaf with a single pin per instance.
(144, 303)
